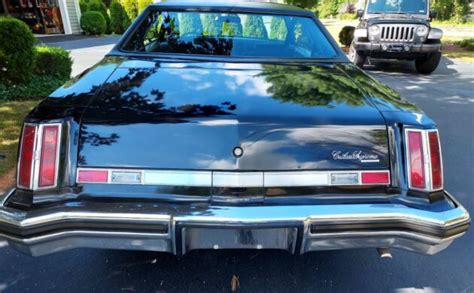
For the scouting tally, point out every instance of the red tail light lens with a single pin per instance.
(436, 164)
(375, 177)
(26, 159)
(92, 176)
(416, 163)
(49, 156)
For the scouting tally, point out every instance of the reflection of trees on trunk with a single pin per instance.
(94, 139)
(124, 101)
(378, 90)
(311, 86)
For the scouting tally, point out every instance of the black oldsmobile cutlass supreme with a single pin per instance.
(224, 126)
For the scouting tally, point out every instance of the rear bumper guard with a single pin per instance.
(179, 228)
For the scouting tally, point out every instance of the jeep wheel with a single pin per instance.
(357, 57)
(428, 64)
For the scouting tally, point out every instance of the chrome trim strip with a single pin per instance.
(300, 178)
(177, 178)
(236, 179)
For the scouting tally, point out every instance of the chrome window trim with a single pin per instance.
(30, 187)
(37, 158)
(232, 179)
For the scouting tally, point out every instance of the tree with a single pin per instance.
(254, 27)
(99, 6)
(131, 7)
(119, 21)
(142, 4)
(278, 30)
(307, 4)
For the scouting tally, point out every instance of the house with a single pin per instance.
(45, 16)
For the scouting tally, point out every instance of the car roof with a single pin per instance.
(235, 6)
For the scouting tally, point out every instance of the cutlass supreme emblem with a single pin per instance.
(355, 156)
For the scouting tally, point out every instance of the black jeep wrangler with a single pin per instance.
(397, 29)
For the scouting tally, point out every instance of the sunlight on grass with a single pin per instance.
(12, 115)
(466, 56)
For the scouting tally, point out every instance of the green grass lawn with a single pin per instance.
(12, 114)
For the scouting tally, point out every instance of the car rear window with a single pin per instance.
(230, 34)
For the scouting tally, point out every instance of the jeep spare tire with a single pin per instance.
(428, 64)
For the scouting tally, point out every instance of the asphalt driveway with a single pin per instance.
(447, 96)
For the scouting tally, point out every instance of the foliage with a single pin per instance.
(99, 6)
(84, 5)
(53, 61)
(348, 16)
(349, 8)
(93, 23)
(142, 4)
(209, 24)
(131, 7)
(254, 27)
(278, 29)
(307, 4)
(467, 44)
(17, 53)
(329, 8)
(119, 21)
(455, 10)
(190, 23)
(39, 87)
(346, 35)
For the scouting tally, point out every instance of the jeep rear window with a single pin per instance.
(230, 34)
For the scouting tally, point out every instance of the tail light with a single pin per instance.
(39, 156)
(424, 161)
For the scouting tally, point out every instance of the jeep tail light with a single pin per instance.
(26, 159)
(424, 162)
(39, 155)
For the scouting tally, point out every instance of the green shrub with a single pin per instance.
(83, 5)
(93, 23)
(131, 7)
(97, 5)
(467, 44)
(348, 16)
(254, 27)
(119, 21)
(329, 8)
(53, 61)
(346, 35)
(455, 10)
(142, 4)
(17, 52)
(39, 87)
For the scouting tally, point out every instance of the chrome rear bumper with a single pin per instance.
(180, 228)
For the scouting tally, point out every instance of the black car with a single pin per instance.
(228, 126)
(397, 29)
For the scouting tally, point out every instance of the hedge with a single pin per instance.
(39, 87)
(53, 61)
(93, 23)
(17, 52)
